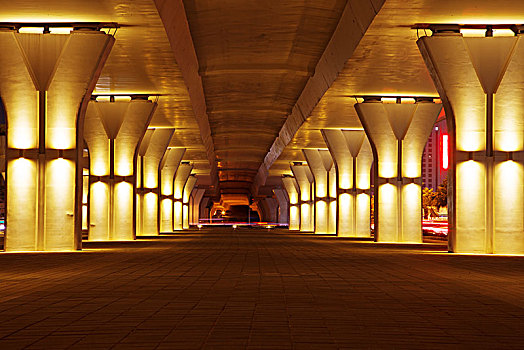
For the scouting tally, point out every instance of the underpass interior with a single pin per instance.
(246, 174)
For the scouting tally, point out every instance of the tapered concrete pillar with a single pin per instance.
(152, 151)
(353, 157)
(194, 205)
(46, 82)
(305, 182)
(293, 193)
(481, 83)
(179, 184)
(283, 206)
(169, 166)
(321, 165)
(188, 189)
(113, 129)
(398, 133)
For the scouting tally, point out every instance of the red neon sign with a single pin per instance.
(444, 153)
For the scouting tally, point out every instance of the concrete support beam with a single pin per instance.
(151, 152)
(283, 206)
(293, 193)
(179, 184)
(352, 154)
(398, 133)
(306, 184)
(168, 169)
(481, 85)
(113, 131)
(46, 82)
(196, 199)
(321, 166)
(188, 189)
(353, 24)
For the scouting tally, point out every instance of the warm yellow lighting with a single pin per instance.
(345, 213)
(200, 226)
(466, 32)
(99, 206)
(363, 202)
(388, 213)
(103, 99)
(166, 210)
(122, 98)
(344, 180)
(178, 216)
(31, 30)
(234, 227)
(21, 135)
(60, 30)
(321, 217)
(294, 219)
(471, 203)
(389, 100)
(123, 211)
(293, 198)
(509, 199)
(84, 217)
(305, 217)
(387, 168)
(509, 140)
(321, 189)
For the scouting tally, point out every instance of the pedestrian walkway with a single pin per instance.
(249, 288)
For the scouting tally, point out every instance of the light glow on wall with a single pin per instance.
(294, 219)
(305, 217)
(178, 215)
(123, 211)
(509, 199)
(166, 220)
(321, 217)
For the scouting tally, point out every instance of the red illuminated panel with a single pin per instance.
(445, 151)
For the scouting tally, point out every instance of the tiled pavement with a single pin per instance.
(255, 289)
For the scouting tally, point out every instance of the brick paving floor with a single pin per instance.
(260, 290)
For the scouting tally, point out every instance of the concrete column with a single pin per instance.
(46, 81)
(305, 182)
(321, 166)
(168, 168)
(398, 133)
(283, 205)
(113, 129)
(152, 151)
(196, 199)
(293, 193)
(188, 189)
(353, 157)
(481, 83)
(179, 184)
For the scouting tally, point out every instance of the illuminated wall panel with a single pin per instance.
(45, 80)
(483, 89)
(398, 133)
(112, 131)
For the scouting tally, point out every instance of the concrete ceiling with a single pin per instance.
(249, 83)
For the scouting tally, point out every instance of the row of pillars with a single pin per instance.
(481, 85)
(137, 185)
